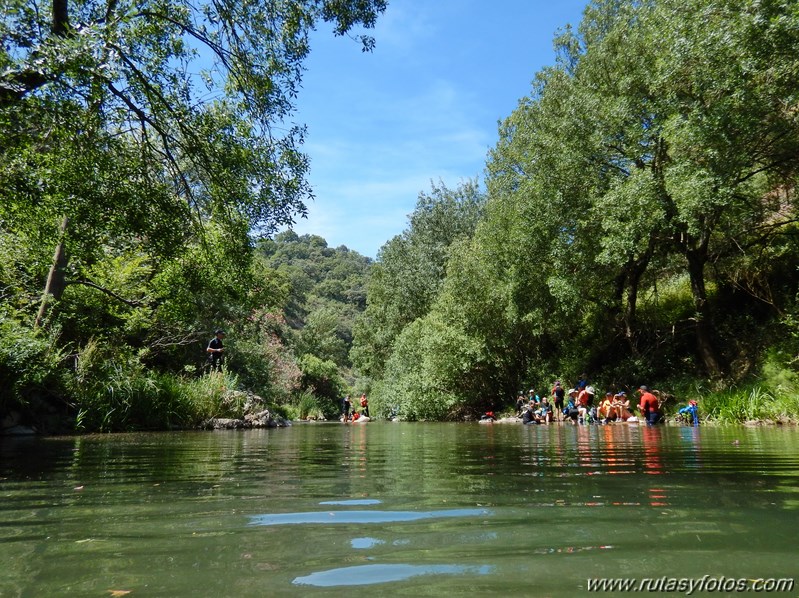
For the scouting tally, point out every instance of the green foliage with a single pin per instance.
(308, 406)
(323, 336)
(410, 270)
(31, 364)
(322, 380)
(325, 292)
(425, 373)
(260, 356)
(752, 402)
(155, 182)
(115, 392)
(640, 221)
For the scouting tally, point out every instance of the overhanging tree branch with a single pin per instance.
(88, 283)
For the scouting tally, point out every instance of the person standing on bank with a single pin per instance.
(216, 350)
(364, 405)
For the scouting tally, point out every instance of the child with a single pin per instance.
(691, 411)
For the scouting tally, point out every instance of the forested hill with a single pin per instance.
(326, 293)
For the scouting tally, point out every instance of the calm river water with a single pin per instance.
(395, 509)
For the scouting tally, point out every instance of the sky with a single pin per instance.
(423, 108)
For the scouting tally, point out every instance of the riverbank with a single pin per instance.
(214, 401)
(207, 403)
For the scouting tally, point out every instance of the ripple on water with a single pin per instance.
(374, 574)
(362, 543)
(356, 502)
(325, 517)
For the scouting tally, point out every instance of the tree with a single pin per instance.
(327, 292)
(125, 121)
(654, 138)
(410, 269)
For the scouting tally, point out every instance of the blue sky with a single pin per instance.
(424, 106)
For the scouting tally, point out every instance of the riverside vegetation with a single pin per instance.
(638, 222)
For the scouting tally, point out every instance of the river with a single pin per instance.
(396, 509)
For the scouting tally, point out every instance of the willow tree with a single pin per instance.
(410, 269)
(730, 94)
(139, 122)
(666, 130)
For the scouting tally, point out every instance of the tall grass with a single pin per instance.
(115, 392)
(773, 397)
(307, 406)
(135, 400)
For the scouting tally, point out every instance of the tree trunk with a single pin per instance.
(630, 311)
(60, 22)
(56, 279)
(696, 270)
(634, 272)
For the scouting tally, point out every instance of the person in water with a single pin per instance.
(544, 411)
(648, 406)
(607, 412)
(558, 395)
(519, 405)
(528, 416)
(570, 410)
(346, 404)
(585, 403)
(622, 406)
(691, 412)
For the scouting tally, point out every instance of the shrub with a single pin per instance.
(31, 365)
(115, 392)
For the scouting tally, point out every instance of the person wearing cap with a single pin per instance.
(648, 405)
(216, 350)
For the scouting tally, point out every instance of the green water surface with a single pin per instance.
(395, 509)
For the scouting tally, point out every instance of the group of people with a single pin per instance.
(575, 405)
(579, 405)
(350, 412)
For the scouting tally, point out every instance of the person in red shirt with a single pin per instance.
(648, 405)
(585, 401)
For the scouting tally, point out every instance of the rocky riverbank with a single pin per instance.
(253, 413)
